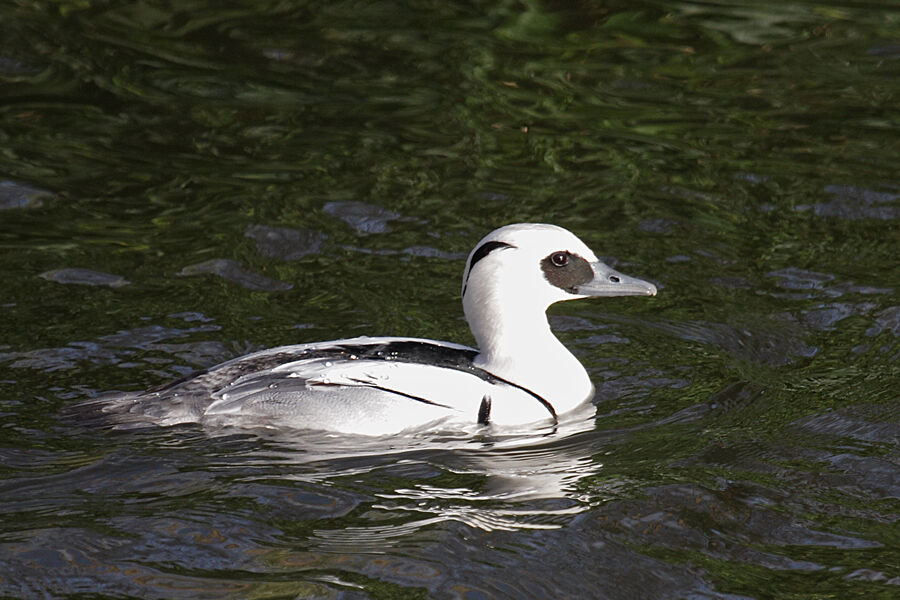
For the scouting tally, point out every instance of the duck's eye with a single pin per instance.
(559, 259)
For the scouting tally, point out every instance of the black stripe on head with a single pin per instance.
(480, 252)
(567, 271)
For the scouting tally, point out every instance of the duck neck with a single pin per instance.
(518, 345)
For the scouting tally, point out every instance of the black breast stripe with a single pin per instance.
(484, 411)
(438, 356)
(540, 399)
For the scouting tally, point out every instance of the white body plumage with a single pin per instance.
(520, 373)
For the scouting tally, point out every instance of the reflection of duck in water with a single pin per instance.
(521, 373)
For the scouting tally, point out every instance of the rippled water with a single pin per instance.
(180, 184)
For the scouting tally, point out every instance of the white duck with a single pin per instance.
(521, 374)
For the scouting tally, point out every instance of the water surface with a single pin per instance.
(181, 184)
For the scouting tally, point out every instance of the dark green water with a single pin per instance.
(183, 182)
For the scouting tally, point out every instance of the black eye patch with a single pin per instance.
(567, 271)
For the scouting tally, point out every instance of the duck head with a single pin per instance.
(512, 276)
